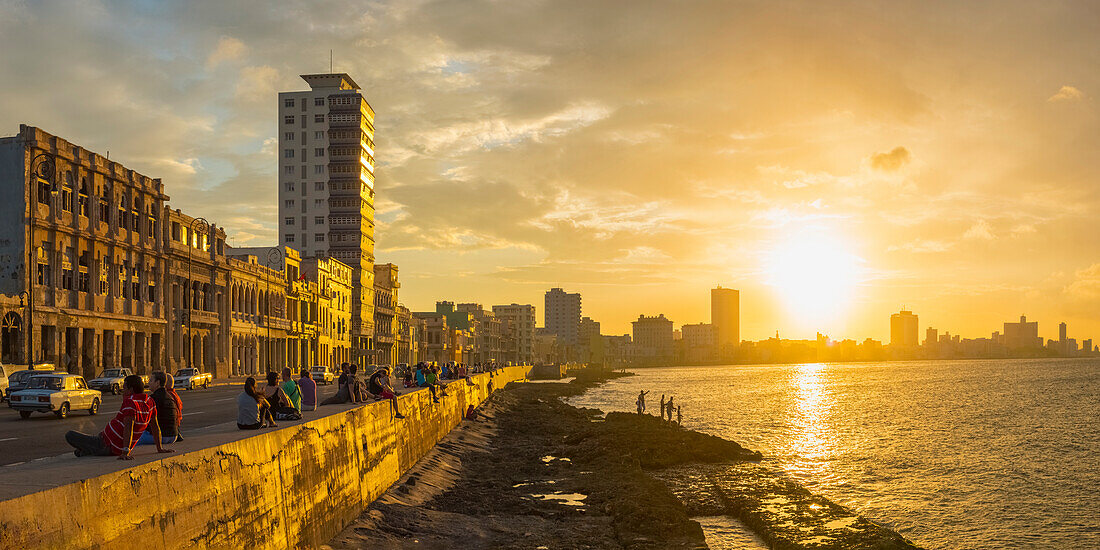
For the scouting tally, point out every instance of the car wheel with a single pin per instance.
(24, 414)
(192, 386)
(95, 407)
(63, 411)
(114, 389)
(206, 384)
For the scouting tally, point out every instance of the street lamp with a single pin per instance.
(274, 254)
(42, 168)
(204, 227)
(24, 303)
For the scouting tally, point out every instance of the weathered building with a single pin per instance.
(385, 314)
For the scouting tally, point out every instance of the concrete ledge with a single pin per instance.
(295, 486)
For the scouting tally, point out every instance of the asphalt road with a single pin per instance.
(43, 435)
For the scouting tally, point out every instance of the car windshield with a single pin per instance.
(185, 372)
(110, 373)
(318, 369)
(45, 383)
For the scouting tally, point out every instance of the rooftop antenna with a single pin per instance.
(330, 61)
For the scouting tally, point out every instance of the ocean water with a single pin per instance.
(952, 454)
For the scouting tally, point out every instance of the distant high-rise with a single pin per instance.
(1062, 331)
(725, 315)
(326, 185)
(903, 329)
(1022, 335)
(562, 315)
(931, 336)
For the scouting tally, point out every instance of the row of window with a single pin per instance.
(317, 102)
(317, 220)
(127, 218)
(317, 152)
(289, 203)
(317, 169)
(317, 237)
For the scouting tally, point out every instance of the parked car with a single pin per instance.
(3, 385)
(321, 374)
(56, 393)
(111, 380)
(191, 379)
(18, 379)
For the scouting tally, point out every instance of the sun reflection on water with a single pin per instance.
(813, 441)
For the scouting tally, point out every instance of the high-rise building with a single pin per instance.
(1062, 331)
(653, 343)
(904, 329)
(931, 336)
(725, 315)
(1022, 335)
(562, 315)
(326, 186)
(519, 320)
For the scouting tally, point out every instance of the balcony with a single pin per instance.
(200, 317)
(275, 323)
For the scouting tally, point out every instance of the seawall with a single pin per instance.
(298, 485)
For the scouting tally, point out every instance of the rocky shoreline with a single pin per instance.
(538, 473)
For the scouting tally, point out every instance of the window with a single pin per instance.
(288, 153)
(104, 209)
(319, 220)
(318, 135)
(318, 118)
(344, 117)
(289, 119)
(289, 186)
(319, 237)
(82, 197)
(319, 186)
(289, 170)
(289, 136)
(318, 202)
(289, 220)
(289, 237)
(288, 103)
(319, 169)
(318, 102)
(176, 236)
(289, 203)
(319, 152)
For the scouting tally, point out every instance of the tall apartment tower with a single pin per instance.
(562, 315)
(904, 329)
(326, 186)
(725, 315)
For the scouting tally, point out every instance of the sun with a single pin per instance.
(816, 274)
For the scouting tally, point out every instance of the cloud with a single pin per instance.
(922, 246)
(1085, 284)
(1067, 93)
(892, 161)
(227, 49)
(981, 230)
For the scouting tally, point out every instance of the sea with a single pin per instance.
(951, 454)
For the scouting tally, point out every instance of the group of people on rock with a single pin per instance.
(143, 419)
(154, 418)
(667, 408)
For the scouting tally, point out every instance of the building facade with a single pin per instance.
(562, 315)
(385, 314)
(518, 322)
(326, 187)
(725, 316)
(904, 330)
(700, 342)
(653, 340)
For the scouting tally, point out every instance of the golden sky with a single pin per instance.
(833, 160)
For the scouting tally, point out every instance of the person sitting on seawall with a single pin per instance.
(167, 412)
(280, 405)
(420, 381)
(170, 388)
(121, 434)
(379, 385)
(253, 409)
(343, 394)
(309, 391)
(409, 381)
(292, 391)
(355, 386)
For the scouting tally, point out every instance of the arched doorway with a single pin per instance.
(11, 338)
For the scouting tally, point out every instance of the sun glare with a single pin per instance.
(815, 274)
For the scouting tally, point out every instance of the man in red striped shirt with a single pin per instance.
(119, 437)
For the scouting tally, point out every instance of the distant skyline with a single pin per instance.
(832, 161)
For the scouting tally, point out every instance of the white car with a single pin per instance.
(56, 393)
(191, 379)
(111, 380)
(321, 374)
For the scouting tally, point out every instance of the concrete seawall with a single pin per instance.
(295, 486)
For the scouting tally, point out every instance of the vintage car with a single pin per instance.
(18, 379)
(111, 380)
(58, 393)
(191, 379)
(321, 374)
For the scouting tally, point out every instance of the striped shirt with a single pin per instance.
(138, 406)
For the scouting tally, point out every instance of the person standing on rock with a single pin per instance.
(641, 402)
(669, 408)
(679, 417)
(662, 406)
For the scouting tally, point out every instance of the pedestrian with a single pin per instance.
(253, 408)
(121, 434)
(170, 387)
(679, 417)
(291, 390)
(309, 391)
(167, 412)
(662, 406)
(669, 406)
(641, 402)
(379, 385)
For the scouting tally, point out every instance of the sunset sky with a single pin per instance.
(833, 160)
